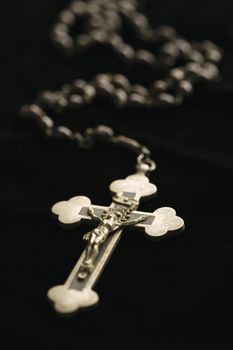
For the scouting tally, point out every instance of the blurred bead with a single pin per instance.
(104, 131)
(139, 19)
(45, 122)
(102, 79)
(193, 70)
(196, 56)
(113, 20)
(32, 111)
(170, 50)
(62, 132)
(67, 18)
(89, 93)
(104, 88)
(159, 86)
(136, 100)
(47, 98)
(66, 43)
(78, 86)
(79, 8)
(99, 36)
(165, 32)
(166, 100)
(213, 55)
(126, 51)
(95, 23)
(62, 103)
(60, 28)
(115, 40)
(75, 101)
(184, 46)
(185, 87)
(177, 74)
(120, 98)
(207, 44)
(83, 41)
(127, 7)
(143, 56)
(93, 9)
(210, 71)
(139, 89)
(119, 80)
(77, 137)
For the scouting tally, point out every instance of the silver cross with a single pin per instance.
(77, 291)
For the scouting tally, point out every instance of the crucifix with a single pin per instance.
(185, 65)
(77, 292)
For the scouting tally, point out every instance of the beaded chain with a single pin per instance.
(186, 64)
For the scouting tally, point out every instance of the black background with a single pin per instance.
(174, 294)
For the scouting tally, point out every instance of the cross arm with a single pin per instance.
(160, 223)
(70, 213)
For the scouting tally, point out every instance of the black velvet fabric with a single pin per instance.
(175, 294)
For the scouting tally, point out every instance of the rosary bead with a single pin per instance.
(89, 93)
(32, 112)
(79, 8)
(165, 33)
(66, 43)
(143, 56)
(120, 98)
(62, 103)
(67, 18)
(136, 100)
(121, 81)
(103, 132)
(213, 55)
(47, 98)
(62, 132)
(185, 87)
(101, 79)
(139, 89)
(177, 74)
(112, 21)
(45, 122)
(83, 41)
(196, 57)
(127, 52)
(104, 88)
(60, 29)
(184, 46)
(127, 7)
(169, 49)
(99, 36)
(93, 9)
(78, 86)
(75, 101)
(194, 70)
(102, 24)
(95, 23)
(158, 86)
(139, 20)
(77, 137)
(169, 53)
(115, 41)
(207, 44)
(166, 100)
(209, 71)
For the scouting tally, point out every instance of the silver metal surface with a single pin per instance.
(77, 291)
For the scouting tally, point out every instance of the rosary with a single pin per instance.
(186, 64)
